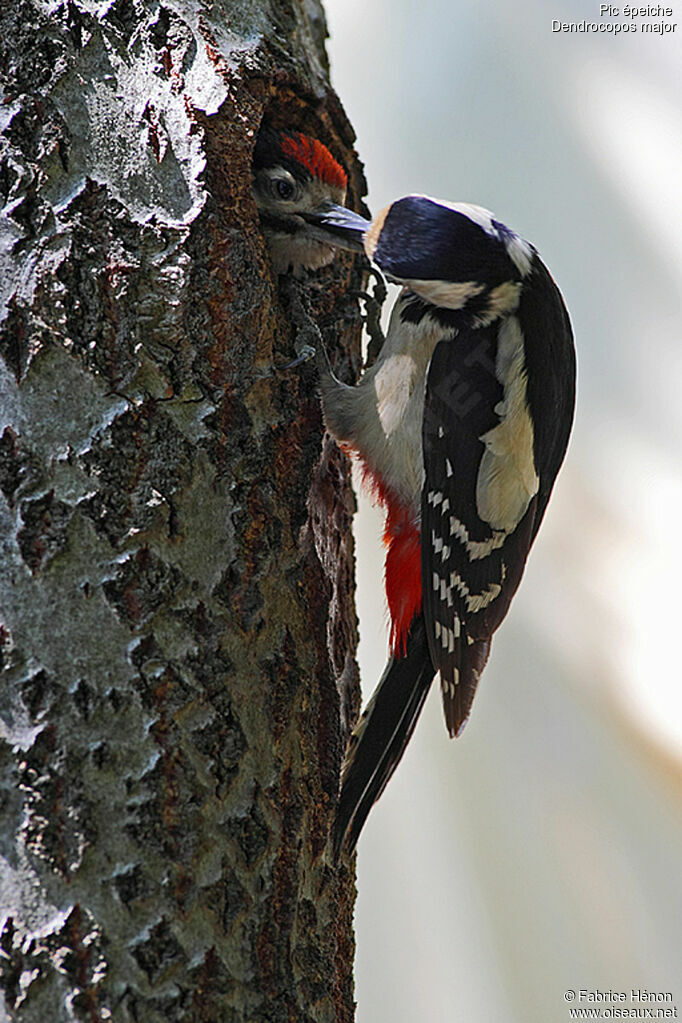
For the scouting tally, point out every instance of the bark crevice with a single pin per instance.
(177, 626)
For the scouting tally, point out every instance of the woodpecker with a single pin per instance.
(461, 426)
(300, 189)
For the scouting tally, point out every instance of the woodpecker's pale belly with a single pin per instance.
(382, 417)
(390, 439)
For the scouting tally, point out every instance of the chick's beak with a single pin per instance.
(339, 226)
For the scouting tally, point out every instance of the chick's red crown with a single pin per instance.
(315, 157)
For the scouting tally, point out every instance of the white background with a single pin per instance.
(542, 850)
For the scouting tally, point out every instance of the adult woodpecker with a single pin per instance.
(461, 426)
(300, 189)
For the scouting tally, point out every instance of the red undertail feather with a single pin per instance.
(316, 157)
(403, 573)
(403, 577)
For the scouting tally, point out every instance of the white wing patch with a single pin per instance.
(507, 480)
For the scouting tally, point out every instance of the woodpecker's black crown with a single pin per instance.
(419, 238)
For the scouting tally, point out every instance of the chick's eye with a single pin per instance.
(285, 189)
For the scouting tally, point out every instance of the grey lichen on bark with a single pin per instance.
(176, 594)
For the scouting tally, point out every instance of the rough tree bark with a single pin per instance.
(176, 588)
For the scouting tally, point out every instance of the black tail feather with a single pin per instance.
(457, 699)
(380, 737)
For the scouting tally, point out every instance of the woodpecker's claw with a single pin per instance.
(379, 291)
(308, 337)
(373, 306)
(307, 352)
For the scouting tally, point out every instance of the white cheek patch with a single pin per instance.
(507, 480)
(393, 385)
(502, 300)
(446, 294)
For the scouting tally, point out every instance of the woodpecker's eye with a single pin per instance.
(285, 189)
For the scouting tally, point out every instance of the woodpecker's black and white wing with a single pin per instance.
(497, 415)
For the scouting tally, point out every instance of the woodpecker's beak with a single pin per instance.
(339, 226)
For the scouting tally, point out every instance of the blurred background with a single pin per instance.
(542, 851)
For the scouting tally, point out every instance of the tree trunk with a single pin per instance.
(177, 570)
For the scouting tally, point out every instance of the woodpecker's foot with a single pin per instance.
(373, 307)
(305, 354)
(308, 337)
